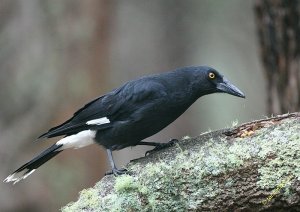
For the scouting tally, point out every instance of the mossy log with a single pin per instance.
(251, 167)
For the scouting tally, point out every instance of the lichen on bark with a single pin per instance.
(231, 169)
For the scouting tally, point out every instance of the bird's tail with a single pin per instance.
(29, 167)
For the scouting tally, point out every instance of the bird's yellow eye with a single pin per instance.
(211, 75)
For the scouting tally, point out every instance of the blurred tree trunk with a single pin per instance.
(279, 36)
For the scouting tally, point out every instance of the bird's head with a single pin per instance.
(208, 81)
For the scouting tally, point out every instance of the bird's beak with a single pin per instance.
(228, 87)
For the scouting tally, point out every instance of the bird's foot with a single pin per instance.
(161, 146)
(116, 172)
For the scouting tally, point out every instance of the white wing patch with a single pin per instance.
(79, 140)
(100, 121)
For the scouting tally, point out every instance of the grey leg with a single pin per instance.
(114, 169)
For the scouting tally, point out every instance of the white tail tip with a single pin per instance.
(17, 176)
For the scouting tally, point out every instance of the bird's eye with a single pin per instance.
(211, 75)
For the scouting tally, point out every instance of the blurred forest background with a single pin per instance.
(57, 55)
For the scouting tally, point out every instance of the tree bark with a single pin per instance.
(279, 35)
(252, 167)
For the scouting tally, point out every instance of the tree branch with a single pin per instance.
(253, 167)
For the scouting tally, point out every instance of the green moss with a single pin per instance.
(89, 198)
(183, 178)
(125, 183)
(284, 149)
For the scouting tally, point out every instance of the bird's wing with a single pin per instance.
(104, 111)
(80, 120)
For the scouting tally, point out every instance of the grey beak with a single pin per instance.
(228, 87)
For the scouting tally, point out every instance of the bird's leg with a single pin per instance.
(158, 146)
(114, 169)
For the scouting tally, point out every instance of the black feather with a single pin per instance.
(40, 159)
(138, 109)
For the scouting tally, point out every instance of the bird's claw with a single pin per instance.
(161, 146)
(116, 172)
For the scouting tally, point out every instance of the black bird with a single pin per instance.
(131, 113)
